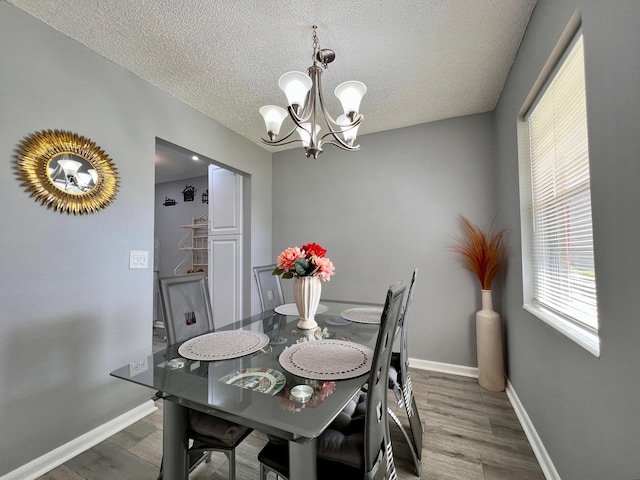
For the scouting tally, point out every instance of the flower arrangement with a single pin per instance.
(482, 253)
(321, 390)
(308, 261)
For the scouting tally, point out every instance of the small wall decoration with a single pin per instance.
(67, 172)
(205, 197)
(169, 201)
(189, 193)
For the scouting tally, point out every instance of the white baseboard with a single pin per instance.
(60, 455)
(549, 470)
(444, 367)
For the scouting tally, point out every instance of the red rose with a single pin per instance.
(311, 249)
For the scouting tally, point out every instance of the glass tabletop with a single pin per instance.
(255, 390)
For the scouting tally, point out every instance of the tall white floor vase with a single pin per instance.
(491, 375)
(306, 293)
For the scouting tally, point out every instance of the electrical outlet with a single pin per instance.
(138, 366)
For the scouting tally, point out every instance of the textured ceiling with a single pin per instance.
(422, 60)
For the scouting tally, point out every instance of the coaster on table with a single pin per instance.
(291, 309)
(223, 345)
(363, 315)
(327, 359)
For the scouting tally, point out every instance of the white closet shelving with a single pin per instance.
(194, 244)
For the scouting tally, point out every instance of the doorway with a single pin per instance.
(184, 197)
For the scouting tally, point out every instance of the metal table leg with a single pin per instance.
(175, 441)
(302, 460)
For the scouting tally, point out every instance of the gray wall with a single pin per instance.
(390, 207)
(584, 408)
(70, 309)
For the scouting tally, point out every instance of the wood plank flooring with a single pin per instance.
(469, 434)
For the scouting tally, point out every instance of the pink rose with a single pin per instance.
(287, 259)
(325, 268)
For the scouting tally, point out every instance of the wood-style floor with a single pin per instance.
(469, 434)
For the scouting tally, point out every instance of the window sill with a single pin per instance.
(583, 337)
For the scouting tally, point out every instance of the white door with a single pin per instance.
(225, 245)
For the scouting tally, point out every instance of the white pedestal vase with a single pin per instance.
(491, 375)
(306, 293)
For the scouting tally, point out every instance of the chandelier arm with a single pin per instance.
(330, 121)
(281, 140)
(342, 145)
(334, 133)
(345, 128)
(325, 113)
(297, 119)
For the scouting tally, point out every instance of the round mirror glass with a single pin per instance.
(72, 173)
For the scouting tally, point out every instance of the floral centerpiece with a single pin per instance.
(308, 261)
(307, 266)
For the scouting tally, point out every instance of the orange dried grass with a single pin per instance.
(481, 253)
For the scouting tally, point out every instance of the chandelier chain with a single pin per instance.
(317, 51)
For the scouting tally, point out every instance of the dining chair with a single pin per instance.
(357, 444)
(400, 383)
(187, 312)
(269, 287)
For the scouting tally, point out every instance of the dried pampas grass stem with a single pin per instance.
(482, 253)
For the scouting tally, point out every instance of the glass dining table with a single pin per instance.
(255, 389)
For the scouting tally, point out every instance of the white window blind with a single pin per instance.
(562, 264)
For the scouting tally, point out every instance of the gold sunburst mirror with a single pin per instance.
(67, 172)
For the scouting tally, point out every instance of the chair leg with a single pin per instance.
(231, 455)
(159, 477)
(408, 439)
(264, 472)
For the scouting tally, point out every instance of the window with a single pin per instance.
(558, 260)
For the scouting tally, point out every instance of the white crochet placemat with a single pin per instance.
(223, 345)
(327, 359)
(291, 309)
(363, 315)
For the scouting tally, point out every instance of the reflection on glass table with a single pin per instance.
(264, 403)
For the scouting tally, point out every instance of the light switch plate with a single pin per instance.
(138, 259)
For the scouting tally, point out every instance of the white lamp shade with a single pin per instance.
(85, 180)
(348, 132)
(70, 167)
(273, 117)
(304, 133)
(295, 85)
(350, 94)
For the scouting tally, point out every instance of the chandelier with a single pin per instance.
(306, 105)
